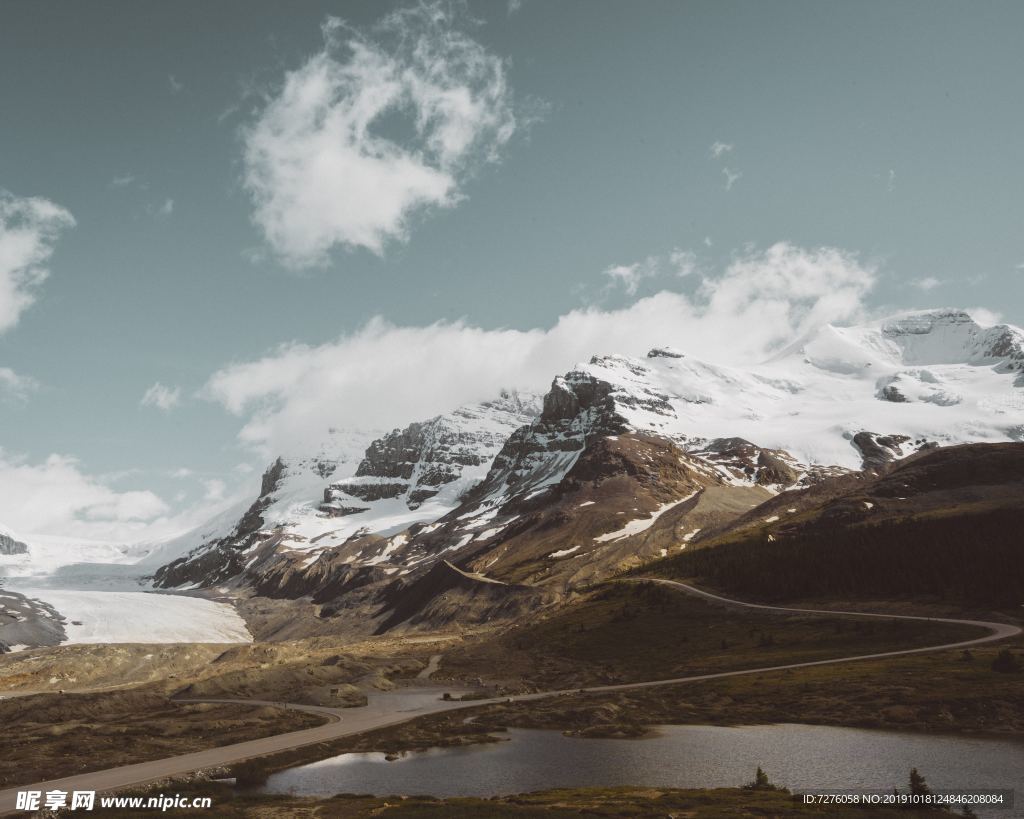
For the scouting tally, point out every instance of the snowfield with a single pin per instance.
(142, 617)
(931, 375)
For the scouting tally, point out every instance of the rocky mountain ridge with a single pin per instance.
(10, 546)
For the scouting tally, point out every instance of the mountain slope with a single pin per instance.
(944, 523)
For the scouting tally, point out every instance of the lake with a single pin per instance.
(799, 757)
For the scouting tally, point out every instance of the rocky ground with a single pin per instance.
(24, 621)
(317, 671)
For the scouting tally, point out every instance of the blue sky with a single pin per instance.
(594, 167)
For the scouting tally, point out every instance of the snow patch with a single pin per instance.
(635, 527)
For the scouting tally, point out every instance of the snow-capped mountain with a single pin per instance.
(935, 376)
(312, 505)
(824, 403)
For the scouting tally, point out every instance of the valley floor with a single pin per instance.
(618, 633)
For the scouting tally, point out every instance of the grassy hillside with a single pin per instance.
(944, 524)
(975, 559)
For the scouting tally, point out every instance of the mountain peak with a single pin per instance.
(952, 336)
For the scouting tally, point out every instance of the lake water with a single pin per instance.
(799, 757)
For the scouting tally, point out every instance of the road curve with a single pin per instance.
(385, 710)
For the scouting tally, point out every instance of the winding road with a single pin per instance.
(393, 708)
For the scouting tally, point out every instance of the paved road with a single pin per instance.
(396, 707)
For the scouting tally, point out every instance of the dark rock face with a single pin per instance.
(879, 450)
(212, 566)
(251, 521)
(338, 510)
(892, 393)
(222, 559)
(773, 470)
(417, 496)
(363, 490)
(578, 408)
(763, 467)
(418, 461)
(10, 546)
(395, 455)
(665, 352)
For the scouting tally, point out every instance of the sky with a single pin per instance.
(226, 228)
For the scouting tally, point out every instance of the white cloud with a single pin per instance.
(927, 283)
(719, 148)
(182, 472)
(29, 228)
(16, 387)
(731, 177)
(384, 376)
(55, 497)
(166, 209)
(630, 276)
(214, 489)
(684, 262)
(161, 397)
(373, 129)
(122, 181)
(984, 316)
(173, 83)
(514, 7)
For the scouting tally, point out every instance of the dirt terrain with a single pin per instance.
(626, 632)
(46, 736)
(316, 671)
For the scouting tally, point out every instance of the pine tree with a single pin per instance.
(918, 787)
(760, 782)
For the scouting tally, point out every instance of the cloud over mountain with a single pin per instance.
(382, 375)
